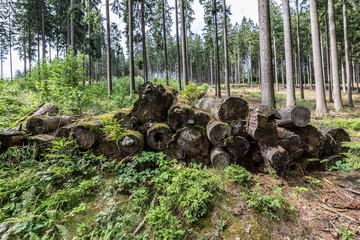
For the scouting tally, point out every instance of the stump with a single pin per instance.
(153, 104)
(294, 117)
(123, 116)
(11, 139)
(339, 135)
(180, 115)
(193, 141)
(313, 140)
(87, 133)
(238, 146)
(159, 136)
(41, 125)
(276, 156)
(218, 132)
(131, 142)
(219, 158)
(261, 124)
(227, 110)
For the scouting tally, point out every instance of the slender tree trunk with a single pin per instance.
(226, 53)
(211, 71)
(177, 44)
(321, 108)
(43, 29)
(282, 72)
(275, 62)
(327, 58)
(68, 29)
(89, 35)
(73, 41)
(322, 61)
(165, 43)
(347, 55)
(183, 38)
(29, 40)
(310, 64)
(10, 46)
(343, 76)
(267, 84)
(1, 62)
(302, 96)
(109, 76)
(217, 52)
(145, 67)
(25, 68)
(131, 47)
(290, 97)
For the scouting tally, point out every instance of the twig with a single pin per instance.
(143, 221)
(348, 189)
(341, 214)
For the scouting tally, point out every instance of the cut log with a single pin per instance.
(11, 139)
(65, 131)
(159, 136)
(227, 110)
(294, 117)
(131, 142)
(276, 156)
(41, 142)
(180, 115)
(219, 158)
(193, 141)
(153, 104)
(202, 118)
(339, 135)
(108, 149)
(313, 140)
(239, 129)
(174, 151)
(123, 116)
(330, 145)
(218, 132)
(41, 125)
(87, 133)
(261, 124)
(291, 143)
(238, 146)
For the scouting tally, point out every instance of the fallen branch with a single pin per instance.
(348, 189)
(341, 214)
(143, 221)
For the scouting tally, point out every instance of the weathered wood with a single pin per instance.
(159, 136)
(202, 118)
(219, 158)
(261, 124)
(294, 117)
(11, 139)
(193, 141)
(180, 115)
(131, 142)
(123, 116)
(218, 132)
(238, 146)
(153, 104)
(41, 142)
(339, 135)
(276, 156)
(65, 131)
(174, 151)
(41, 125)
(87, 133)
(108, 149)
(229, 110)
(313, 140)
(291, 143)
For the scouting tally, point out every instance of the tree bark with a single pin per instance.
(302, 96)
(159, 136)
(238, 147)
(328, 68)
(193, 141)
(124, 117)
(290, 89)
(40, 125)
(43, 29)
(294, 117)
(145, 67)
(131, 47)
(131, 143)
(180, 115)
(109, 76)
(275, 156)
(87, 134)
(292, 143)
(177, 44)
(339, 136)
(11, 139)
(220, 158)
(218, 132)
(226, 58)
(217, 57)
(165, 43)
(275, 63)
(183, 39)
(347, 55)
(321, 108)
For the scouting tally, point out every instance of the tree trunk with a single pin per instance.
(180, 115)
(290, 89)
(193, 141)
(218, 132)
(131, 47)
(217, 52)
(123, 116)
(165, 43)
(40, 125)
(282, 72)
(145, 67)
(294, 117)
(339, 136)
(334, 58)
(238, 147)
(183, 39)
(159, 136)
(343, 76)
(321, 108)
(177, 44)
(275, 156)
(87, 134)
(327, 59)
(292, 143)
(226, 58)
(11, 139)
(299, 52)
(220, 158)
(109, 76)
(276, 70)
(310, 64)
(73, 41)
(43, 29)
(267, 84)
(89, 35)
(347, 55)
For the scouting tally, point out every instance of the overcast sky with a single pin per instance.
(239, 9)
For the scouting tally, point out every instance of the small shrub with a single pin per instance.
(192, 93)
(353, 155)
(237, 174)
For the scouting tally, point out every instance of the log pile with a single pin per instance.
(216, 132)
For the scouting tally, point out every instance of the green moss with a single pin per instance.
(103, 117)
(130, 132)
(160, 125)
(200, 127)
(88, 125)
(229, 140)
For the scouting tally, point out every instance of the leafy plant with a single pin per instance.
(238, 174)
(347, 234)
(192, 92)
(341, 166)
(353, 155)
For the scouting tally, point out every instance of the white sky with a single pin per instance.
(239, 9)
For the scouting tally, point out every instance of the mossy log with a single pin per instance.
(180, 115)
(294, 117)
(153, 104)
(227, 110)
(261, 124)
(291, 143)
(238, 146)
(313, 140)
(11, 139)
(193, 141)
(275, 156)
(108, 149)
(159, 136)
(87, 133)
(338, 135)
(131, 142)
(65, 131)
(202, 118)
(123, 116)
(219, 158)
(48, 109)
(174, 151)
(41, 125)
(218, 132)
(41, 142)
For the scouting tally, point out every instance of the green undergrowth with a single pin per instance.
(352, 126)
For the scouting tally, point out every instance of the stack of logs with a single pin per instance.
(217, 131)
